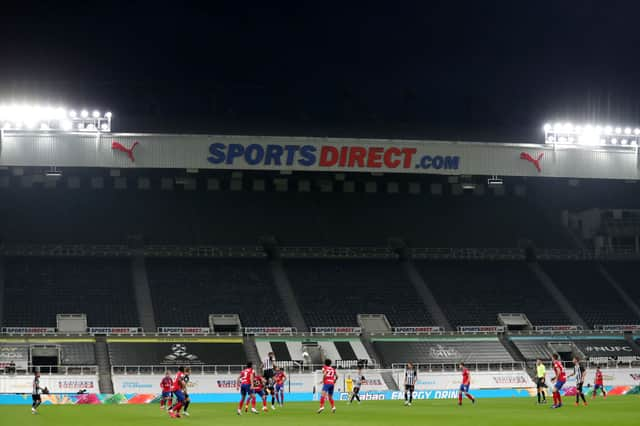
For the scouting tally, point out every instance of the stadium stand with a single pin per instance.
(625, 274)
(447, 351)
(177, 352)
(109, 215)
(291, 349)
(334, 292)
(220, 286)
(77, 354)
(475, 292)
(36, 289)
(533, 349)
(589, 293)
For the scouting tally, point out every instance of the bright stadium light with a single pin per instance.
(18, 117)
(108, 114)
(566, 133)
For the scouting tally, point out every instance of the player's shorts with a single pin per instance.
(328, 389)
(166, 394)
(464, 388)
(597, 386)
(579, 387)
(558, 385)
(356, 390)
(267, 374)
(279, 388)
(36, 398)
(540, 382)
(245, 389)
(179, 395)
(259, 392)
(409, 388)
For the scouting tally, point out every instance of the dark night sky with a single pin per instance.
(444, 69)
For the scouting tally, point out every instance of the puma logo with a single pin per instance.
(536, 162)
(129, 151)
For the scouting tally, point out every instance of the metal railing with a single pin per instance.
(290, 367)
(453, 366)
(50, 370)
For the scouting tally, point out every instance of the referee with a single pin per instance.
(410, 380)
(267, 366)
(541, 372)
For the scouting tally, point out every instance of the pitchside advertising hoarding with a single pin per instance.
(313, 154)
(55, 383)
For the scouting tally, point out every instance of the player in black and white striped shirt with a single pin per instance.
(35, 393)
(579, 372)
(410, 380)
(268, 365)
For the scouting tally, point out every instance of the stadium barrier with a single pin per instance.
(56, 383)
(55, 370)
(153, 398)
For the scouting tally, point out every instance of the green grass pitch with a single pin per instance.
(615, 411)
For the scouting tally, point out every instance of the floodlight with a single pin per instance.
(104, 127)
(557, 127)
(618, 130)
(95, 113)
(636, 131)
(84, 113)
(608, 130)
(108, 114)
(614, 141)
(73, 113)
(627, 130)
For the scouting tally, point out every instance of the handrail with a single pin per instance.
(51, 370)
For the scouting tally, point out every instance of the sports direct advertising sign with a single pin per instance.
(109, 150)
(479, 380)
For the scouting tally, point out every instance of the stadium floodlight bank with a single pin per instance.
(591, 135)
(36, 118)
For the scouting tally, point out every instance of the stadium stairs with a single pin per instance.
(144, 302)
(560, 299)
(283, 285)
(423, 290)
(621, 291)
(251, 351)
(104, 365)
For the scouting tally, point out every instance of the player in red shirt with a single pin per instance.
(280, 378)
(559, 380)
(166, 385)
(258, 389)
(598, 384)
(464, 387)
(329, 378)
(179, 386)
(245, 382)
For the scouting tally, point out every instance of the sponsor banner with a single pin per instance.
(173, 352)
(14, 356)
(418, 329)
(129, 398)
(479, 380)
(268, 330)
(333, 330)
(314, 154)
(609, 327)
(55, 383)
(481, 329)
(114, 330)
(28, 330)
(554, 328)
(197, 383)
(184, 330)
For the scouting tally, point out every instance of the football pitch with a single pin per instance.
(618, 411)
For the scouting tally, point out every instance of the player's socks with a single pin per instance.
(322, 402)
(544, 397)
(241, 404)
(186, 406)
(460, 398)
(333, 404)
(468, 395)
